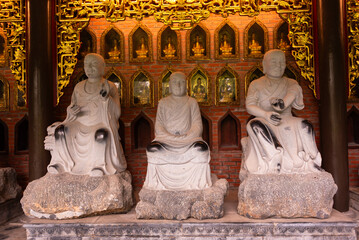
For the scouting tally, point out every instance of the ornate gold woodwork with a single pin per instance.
(140, 44)
(141, 89)
(3, 51)
(182, 14)
(12, 20)
(112, 45)
(226, 41)
(255, 39)
(199, 86)
(168, 44)
(4, 94)
(353, 48)
(227, 87)
(197, 43)
(163, 86)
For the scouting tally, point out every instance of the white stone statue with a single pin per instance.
(178, 158)
(277, 141)
(87, 142)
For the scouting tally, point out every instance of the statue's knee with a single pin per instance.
(262, 131)
(308, 125)
(154, 147)
(201, 146)
(101, 135)
(60, 132)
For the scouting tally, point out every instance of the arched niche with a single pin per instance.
(4, 94)
(3, 51)
(281, 40)
(227, 87)
(163, 86)
(140, 42)
(116, 77)
(168, 44)
(229, 132)
(80, 77)
(142, 131)
(226, 38)
(4, 139)
(22, 136)
(112, 45)
(254, 73)
(88, 43)
(353, 127)
(141, 89)
(207, 127)
(121, 133)
(199, 86)
(198, 43)
(292, 73)
(255, 39)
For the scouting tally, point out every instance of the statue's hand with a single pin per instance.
(49, 142)
(277, 104)
(273, 118)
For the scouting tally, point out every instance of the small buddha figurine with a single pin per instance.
(199, 91)
(142, 52)
(169, 50)
(226, 91)
(225, 48)
(142, 93)
(114, 54)
(198, 49)
(254, 46)
(283, 44)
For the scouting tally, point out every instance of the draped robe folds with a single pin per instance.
(179, 165)
(290, 146)
(78, 152)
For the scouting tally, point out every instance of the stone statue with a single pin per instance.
(87, 141)
(277, 141)
(178, 158)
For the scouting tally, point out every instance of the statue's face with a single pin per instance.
(178, 86)
(274, 65)
(94, 67)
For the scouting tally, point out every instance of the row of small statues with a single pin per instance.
(198, 49)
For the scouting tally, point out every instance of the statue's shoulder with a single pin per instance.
(258, 82)
(291, 81)
(80, 85)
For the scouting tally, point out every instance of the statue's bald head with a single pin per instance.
(94, 65)
(272, 60)
(178, 84)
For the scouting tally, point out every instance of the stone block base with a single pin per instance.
(63, 196)
(179, 205)
(287, 195)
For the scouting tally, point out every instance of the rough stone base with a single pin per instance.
(287, 195)
(179, 205)
(9, 189)
(63, 196)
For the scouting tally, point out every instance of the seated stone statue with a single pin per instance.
(178, 158)
(277, 141)
(87, 142)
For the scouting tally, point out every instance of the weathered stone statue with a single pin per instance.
(278, 141)
(281, 162)
(178, 158)
(87, 160)
(178, 183)
(87, 142)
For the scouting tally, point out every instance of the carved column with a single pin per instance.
(39, 81)
(332, 85)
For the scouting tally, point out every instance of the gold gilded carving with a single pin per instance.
(184, 14)
(4, 94)
(227, 87)
(199, 86)
(353, 48)
(3, 51)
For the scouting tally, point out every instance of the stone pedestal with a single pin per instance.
(179, 205)
(63, 196)
(287, 195)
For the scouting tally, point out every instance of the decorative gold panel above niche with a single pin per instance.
(168, 44)
(112, 45)
(255, 39)
(226, 39)
(164, 86)
(199, 86)
(88, 43)
(140, 42)
(141, 89)
(280, 39)
(197, 43)
(227, 87)
(3, 51)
